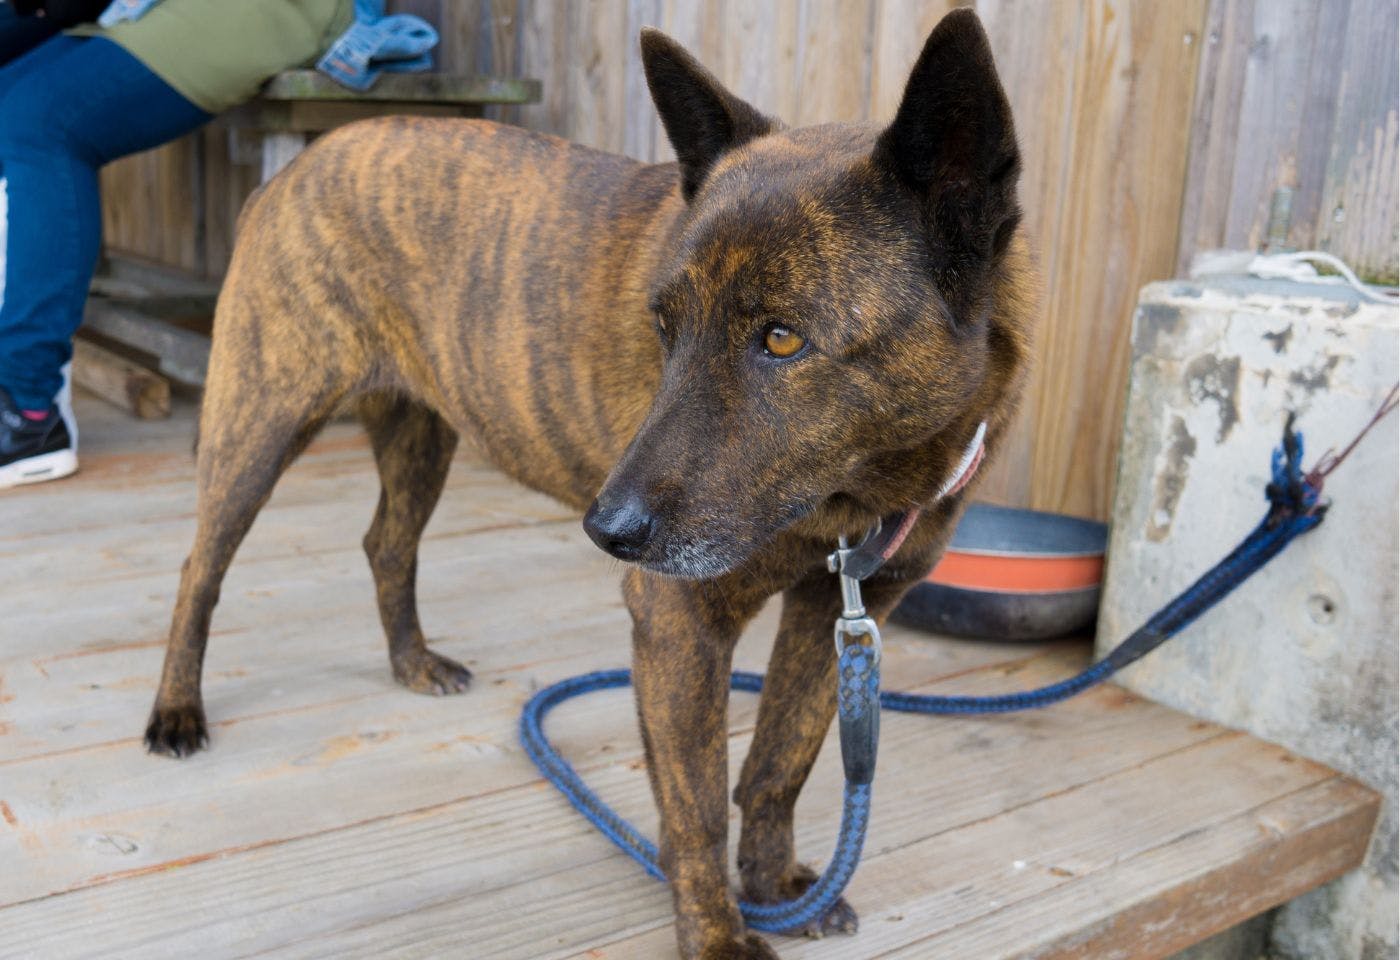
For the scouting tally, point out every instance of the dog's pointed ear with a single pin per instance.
(702, 119)
(953, 144)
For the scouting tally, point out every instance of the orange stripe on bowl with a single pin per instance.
(1005, 574)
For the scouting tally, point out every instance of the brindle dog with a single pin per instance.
(733, 359)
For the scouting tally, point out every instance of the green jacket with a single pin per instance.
(218, 53)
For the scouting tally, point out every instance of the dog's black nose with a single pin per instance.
(623, 530)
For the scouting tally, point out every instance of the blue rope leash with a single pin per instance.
(1294, 508)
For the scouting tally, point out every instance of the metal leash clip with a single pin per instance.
(858, 651)
(853, 622)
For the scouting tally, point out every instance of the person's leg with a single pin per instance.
(13, 67)
(35, 445)
(65, 116)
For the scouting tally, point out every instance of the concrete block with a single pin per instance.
(1304, 654)
(1248, 941)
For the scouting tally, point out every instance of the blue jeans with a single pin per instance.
(67, 107)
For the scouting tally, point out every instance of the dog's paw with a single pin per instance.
(176, 731)
(432, 674)
(748, 946)
(841, 918)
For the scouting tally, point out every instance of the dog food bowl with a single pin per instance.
(1012, 574)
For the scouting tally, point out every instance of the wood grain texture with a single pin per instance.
(435, 87)
(1298, 95)
(1357, 215)
(1102, 101)
(120, 382)
(898, 33)
(152, 204)
(1050, 897)
(341, 816)
(1037, 68)
(835, 44)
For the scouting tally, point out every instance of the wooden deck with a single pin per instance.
(339, 815)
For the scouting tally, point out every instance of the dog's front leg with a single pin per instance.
(683, 641)
(799, 701)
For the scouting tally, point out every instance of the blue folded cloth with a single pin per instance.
(375, 43)
(119, 10)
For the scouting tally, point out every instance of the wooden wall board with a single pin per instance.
(1105, 149)
(1357, 215)
(1299, 95)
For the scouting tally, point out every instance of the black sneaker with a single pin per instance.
(32, 451)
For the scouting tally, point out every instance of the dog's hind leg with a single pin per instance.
(244, 446)
(413, 447)
(794, 714)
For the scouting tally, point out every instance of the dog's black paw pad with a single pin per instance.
(433, 674)
(176, 731)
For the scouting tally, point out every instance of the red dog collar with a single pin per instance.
(887, 537)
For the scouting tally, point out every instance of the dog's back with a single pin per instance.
(494, 274)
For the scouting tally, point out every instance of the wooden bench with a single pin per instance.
(298, 103)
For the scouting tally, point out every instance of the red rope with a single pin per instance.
(1331, 461)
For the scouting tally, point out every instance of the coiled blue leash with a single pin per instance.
(1295, 507)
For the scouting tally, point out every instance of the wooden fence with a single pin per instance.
(1150, 129)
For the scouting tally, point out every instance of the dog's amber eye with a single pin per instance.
(782, 342)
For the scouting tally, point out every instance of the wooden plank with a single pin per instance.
(835, 56)
(124, 277)
(147, 208)
(1227, 38)
(599, 736)
(227, 186)
(978, 890)
(1195, 885)
(1110, 198)
(443, 88)
(760, 55)
(280, 148)
(429, 10)
(277, 645)
(318, 116)
(703, 29)
(640, 127)
(1037, 49)
(421, 743)
(310, 530)
(544, 53)
(1287, 37)
(183, 354)
(899, 32)
(1298, 95)
(1357, 213)
(496, 48)
(120, 382)
(598, 49)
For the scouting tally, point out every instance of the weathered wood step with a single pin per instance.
(339, 815)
